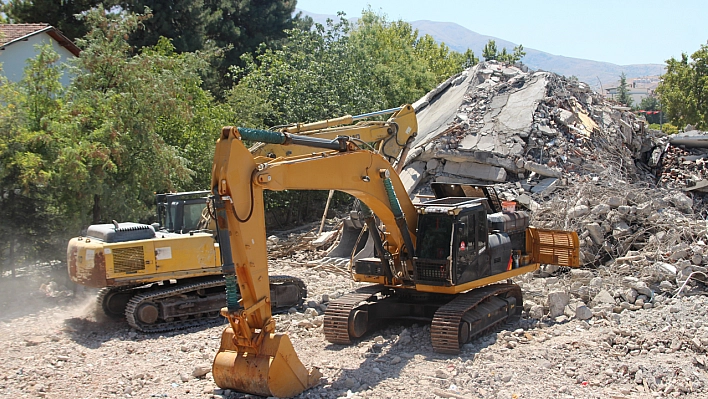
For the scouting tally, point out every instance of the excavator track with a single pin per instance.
(112, 300)
(145, 311)
(337, 318)
(472, 314)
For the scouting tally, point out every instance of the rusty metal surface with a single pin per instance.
(87, 264)
(275, 370)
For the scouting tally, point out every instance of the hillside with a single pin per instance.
(460, 39)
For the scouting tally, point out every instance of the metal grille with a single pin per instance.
(128, 260)
(432, 271)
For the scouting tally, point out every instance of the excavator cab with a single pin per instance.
(180, 212)
(454, 245)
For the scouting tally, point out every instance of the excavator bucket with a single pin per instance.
(275, 370)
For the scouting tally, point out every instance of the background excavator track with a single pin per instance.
(141, 303)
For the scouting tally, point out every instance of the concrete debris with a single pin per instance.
(577, 161)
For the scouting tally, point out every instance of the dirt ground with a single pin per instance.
(55, 344)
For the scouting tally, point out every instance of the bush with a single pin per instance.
(666, 128)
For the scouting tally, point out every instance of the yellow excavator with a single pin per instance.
(167, 276)
(446, 261)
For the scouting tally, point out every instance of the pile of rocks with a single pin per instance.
(498, 123)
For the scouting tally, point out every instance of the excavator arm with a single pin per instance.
(391, 138)
(252, 358)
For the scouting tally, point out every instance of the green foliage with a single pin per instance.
(650, 104)
(316, 75)
(27, 209)
(665, 127)
(404, 63)
(245, 25)
(128, 126)
(185, 22)
(684, 89)
(490, 53)
(58, 13)
(623, 92)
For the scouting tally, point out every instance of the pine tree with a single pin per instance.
(623, 93)
(490, 51)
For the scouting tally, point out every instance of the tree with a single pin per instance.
(652, 105)
(623, 92)
(469, 59)
(315, 75)
(184, 22)
(490, 51)
(125, 121)
(58, 13)
(406, 64)
(243, 25)
(28, 212)
(684, 89)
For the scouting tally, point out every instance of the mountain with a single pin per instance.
(459, 38)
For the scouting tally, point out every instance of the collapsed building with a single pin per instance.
(575, 160)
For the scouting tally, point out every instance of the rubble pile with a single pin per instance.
(514, 124)
(578, 162)
(684, 168)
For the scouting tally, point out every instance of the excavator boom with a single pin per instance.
(390, 138)
(440, 260)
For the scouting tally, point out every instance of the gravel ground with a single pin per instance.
(63, 348)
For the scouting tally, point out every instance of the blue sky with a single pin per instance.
(618, 31)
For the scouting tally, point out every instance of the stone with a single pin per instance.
(542, 170)
(600, 209)
(630, 295)
(536, 312)
(666, 286)
(642, 288)
(581, 275)
(557, 301)
(545, 186)
(476, 171)
(396, 360)
(578, 211)
(697, 259)
(583, 312)
(615, 202)
(604, 297)
(201, 370)
(682, 202)
(432, 165)
(680, 254)
(184, 377)
(597, 233)
(596, 282)
(412, 174)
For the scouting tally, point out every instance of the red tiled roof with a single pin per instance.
(12, 32)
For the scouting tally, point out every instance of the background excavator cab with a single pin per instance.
(180, 212)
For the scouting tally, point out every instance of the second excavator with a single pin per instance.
(448, 261)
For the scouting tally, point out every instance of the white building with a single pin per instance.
(18, 44)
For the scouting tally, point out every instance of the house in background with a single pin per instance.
(18, 44)
(637, 88)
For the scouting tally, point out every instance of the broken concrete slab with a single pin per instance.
(545, 186)
(542, 170)
(411, 175)
(476, 171)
